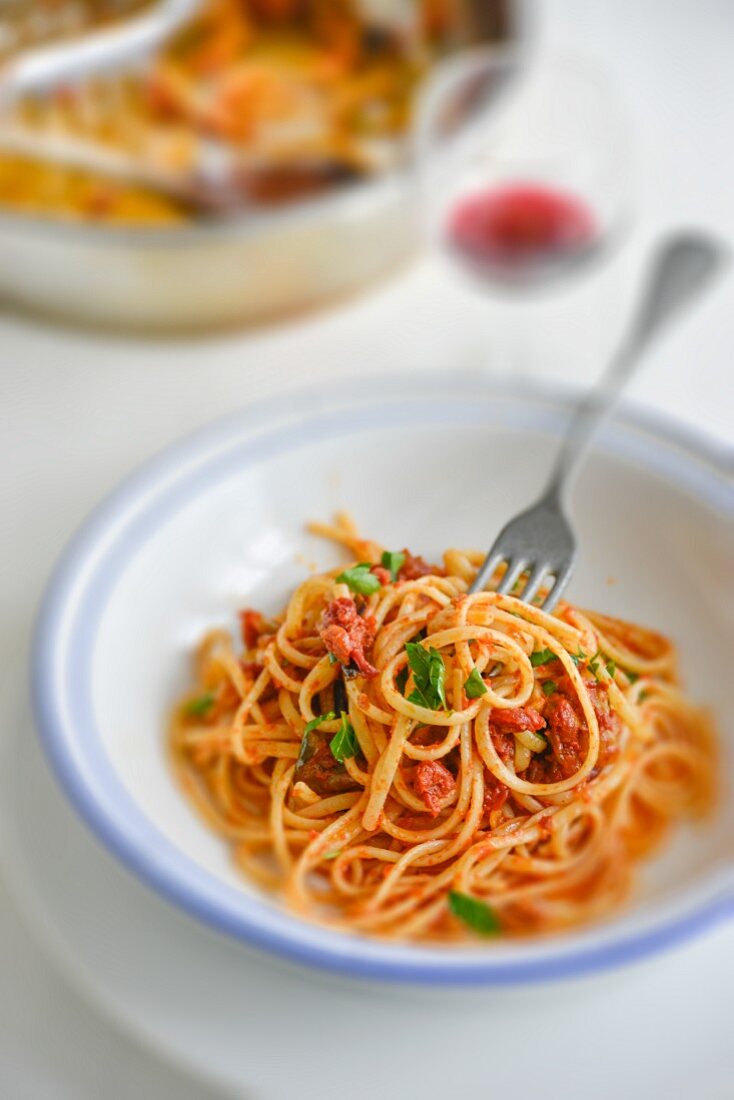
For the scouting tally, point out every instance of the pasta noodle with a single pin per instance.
(397, 757)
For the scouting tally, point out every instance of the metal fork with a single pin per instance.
(540, 541)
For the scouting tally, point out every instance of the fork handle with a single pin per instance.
(682, 266)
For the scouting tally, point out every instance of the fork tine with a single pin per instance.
(563, 576)
(486, 570)
(534, 582)
(515, 568)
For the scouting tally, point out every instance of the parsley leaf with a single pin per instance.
(475, 685)
(332, 658)
(596, 662)
(541, 657)
(316, 722)
(359, 579)
(197, 708)
(633, 677)
(429, 676)
(549, 687)
(418, 661)
(401, 679)
(333, 854)
(476, 914)
(578, 657)
(393, 560)
(344, 742)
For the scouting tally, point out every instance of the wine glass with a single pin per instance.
(524, 168)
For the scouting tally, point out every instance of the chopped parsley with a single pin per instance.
(475, 914)
(596, 662)
(578, 657)
(333, 854)
(332, 658)
(201, 705)
(393, 561)
(541, 657)
(316, 722)
(360, 579)
(549, 687)
(429, 676)
(475, 685)
(633, 677)
(344, 742)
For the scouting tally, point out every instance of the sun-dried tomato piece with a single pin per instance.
(414, 567)
(252, 625)
(563, 733)
(516, 718)
(383, 575)
(433, 782)
(495, 795)
(347, 634)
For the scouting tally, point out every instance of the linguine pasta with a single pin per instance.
(396, 757)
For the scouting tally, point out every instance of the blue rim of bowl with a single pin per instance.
(62, 705)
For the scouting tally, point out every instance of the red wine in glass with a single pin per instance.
(520, 232)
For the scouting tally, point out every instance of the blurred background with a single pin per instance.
(206, 202)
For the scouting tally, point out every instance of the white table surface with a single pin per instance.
(79, 410)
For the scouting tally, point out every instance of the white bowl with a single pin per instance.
(428, 461)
